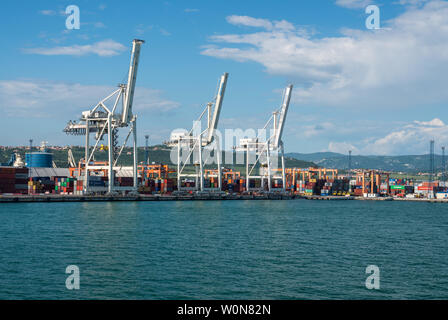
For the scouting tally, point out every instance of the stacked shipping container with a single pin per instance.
(150, 186)
(13, 180)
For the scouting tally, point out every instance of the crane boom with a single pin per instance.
(283, 113)
(71, 158)
(130, 88)
(218, 105)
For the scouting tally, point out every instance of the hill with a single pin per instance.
(161, 154)
(157, 154)
(406, 163)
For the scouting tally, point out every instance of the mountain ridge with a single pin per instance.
(399, 163)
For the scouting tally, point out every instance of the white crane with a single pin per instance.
(266, 150)
(103, 120)
(193, 143)
(71, 159)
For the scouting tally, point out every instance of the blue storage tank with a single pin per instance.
(39, 160)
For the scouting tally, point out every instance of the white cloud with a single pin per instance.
(141, 29)
(433, 123)
(412, 138)
(105, 48)
(310, 131)
(354, 4)
(342, 147)
(189, 10)
(260, 23)
(412, 2)
(45, 99)
(249, 21)
(164, 32)
(47, 12)
(150, 100)
(99, 25)
(401, 67)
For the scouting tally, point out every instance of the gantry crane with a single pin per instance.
(266, 150)
(103, 120)
(195, 142)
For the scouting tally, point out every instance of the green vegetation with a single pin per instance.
(157, 154)
(408, 164)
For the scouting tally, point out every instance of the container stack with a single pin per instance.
(37, 187)
(234, 185)
(55, 185)
(150, 186)
(255, 184)
(310, 186)
(164, 185)
(40, 185)
(397, 190)
(325, 191)
(78, 187)
(124, 181)
(358, 191)
(277, 184)
(64, 185)
(384, 189)
(21, 180)
(97, 181)
(339, 187)
(13, 180)
(323, 187)
(427, 188)
(300, 186)
(211, 182)
(188, 184)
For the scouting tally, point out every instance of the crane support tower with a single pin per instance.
(267, 150)
(192, 145)
(107, 120)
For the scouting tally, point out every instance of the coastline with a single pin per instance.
(191, 197)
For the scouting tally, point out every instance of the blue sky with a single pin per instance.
(372, 91)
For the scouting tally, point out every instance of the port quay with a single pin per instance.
(192, 197)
